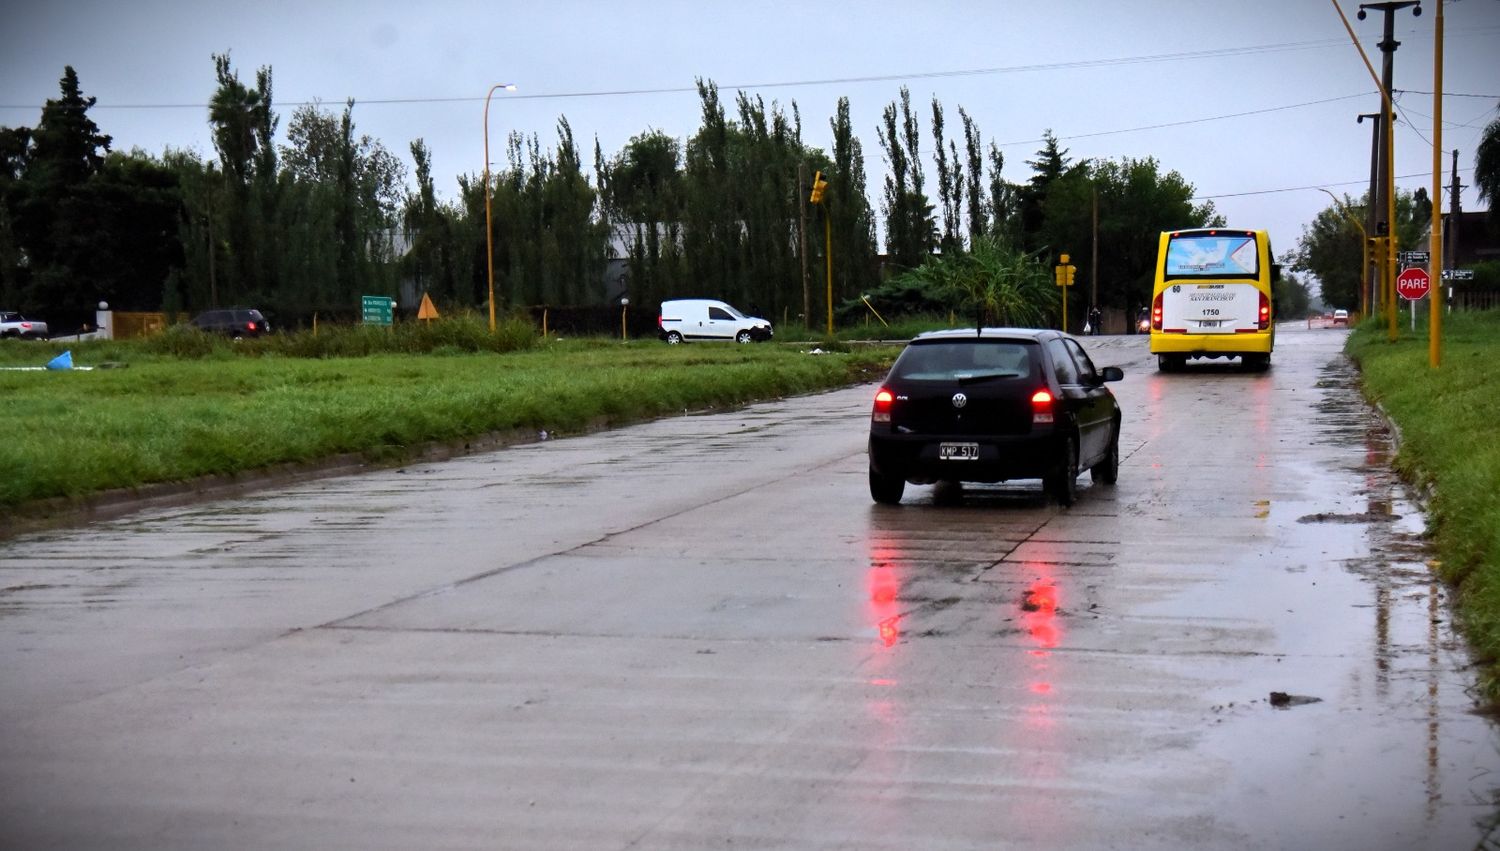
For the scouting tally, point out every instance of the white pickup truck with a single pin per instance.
(13, 324)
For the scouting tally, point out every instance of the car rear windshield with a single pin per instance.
(958, 360)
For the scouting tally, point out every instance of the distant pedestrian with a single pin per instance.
(1095, 317)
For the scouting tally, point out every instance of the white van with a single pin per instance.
(706, 319)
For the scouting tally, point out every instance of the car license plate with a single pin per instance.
(958, 451)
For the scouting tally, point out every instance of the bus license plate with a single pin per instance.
(958, 451)
(1209, 323)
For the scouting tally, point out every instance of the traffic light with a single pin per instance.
(818, 187)
(1062, 273)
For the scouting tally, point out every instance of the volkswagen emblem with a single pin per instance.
(959, 400)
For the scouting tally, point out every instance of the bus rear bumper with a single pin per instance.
(1211, 345)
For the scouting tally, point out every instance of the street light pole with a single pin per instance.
(489, 233)
(1388, 45)
(1368, 297)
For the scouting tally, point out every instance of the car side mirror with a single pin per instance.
(1113, 373)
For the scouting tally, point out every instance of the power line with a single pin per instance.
(1362, 182)
(915, 75)
(1186, 122)
(1445, 94)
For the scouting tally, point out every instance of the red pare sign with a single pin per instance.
(1413, 284)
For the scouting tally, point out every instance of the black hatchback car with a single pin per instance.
(992, 405)
(234, 322)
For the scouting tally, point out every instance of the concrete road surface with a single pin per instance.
(700, 632)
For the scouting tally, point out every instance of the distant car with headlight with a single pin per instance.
(14, 325)
(993, 405)
(235, 323)
(1341, 317)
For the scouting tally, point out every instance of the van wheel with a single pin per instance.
(886, 490)
(673, 338)
(1062, 483)
(1258, 363)
(743, 337)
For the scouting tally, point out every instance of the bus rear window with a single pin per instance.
(1212, 255)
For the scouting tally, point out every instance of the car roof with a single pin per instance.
(1034, 335)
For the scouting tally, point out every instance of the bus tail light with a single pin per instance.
(1041, 407)
(1265, 312)
(1156, 313)
(882, 412)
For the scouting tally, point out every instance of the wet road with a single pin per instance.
(701, 632)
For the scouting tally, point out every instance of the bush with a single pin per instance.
(467, 333)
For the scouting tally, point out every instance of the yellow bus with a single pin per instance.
(1212, 297)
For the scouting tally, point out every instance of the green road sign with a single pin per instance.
(378, 309)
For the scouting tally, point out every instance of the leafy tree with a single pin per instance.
(549, 246)
(53, 246)
(338, 201)
(1050, 165)
(243, 125)
(642, 194)
(1330, 246)
(853, 222)
(993, 283)
(950, 172)
(910, 231)
(979, 209)
(1293, 301)
(1487, 168)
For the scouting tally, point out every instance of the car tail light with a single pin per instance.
(1041, 407)
(658, 321)
(250, 326)
(882, 412)
(1156, 313)
(1265, 312)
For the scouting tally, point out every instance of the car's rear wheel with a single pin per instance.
(1062, 483)
(743, 337)
(673, 338)
(886, 490)
(1107, 472)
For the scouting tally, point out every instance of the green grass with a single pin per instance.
(184, 410)
(1449, 418)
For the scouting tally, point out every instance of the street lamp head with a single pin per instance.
(1361, 14)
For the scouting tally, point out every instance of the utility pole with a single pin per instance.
(1435, 253)
(1387, 207)
(1094, 265)
(1368, 297)
(1450, 233)
(802, 231)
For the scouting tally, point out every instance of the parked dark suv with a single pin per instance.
(235, 322)
(994, 405)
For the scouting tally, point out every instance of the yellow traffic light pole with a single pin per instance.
(819, 187)
(1063, 275)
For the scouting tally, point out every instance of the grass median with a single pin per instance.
(228, 409)
(1448, 420)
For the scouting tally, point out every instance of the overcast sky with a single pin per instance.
(1253, 102)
